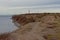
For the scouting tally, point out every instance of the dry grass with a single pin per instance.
(51, 19)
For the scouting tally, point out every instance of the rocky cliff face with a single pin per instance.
(36, 27)
(39, 26)
(28, 18)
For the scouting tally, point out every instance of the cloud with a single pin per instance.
(18, 10)
(14, 3)
(9, 7)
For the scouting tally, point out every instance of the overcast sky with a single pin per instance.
(8, 7)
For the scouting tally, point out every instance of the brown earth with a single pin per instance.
(35, 26)
(28, 18)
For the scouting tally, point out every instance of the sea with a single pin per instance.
(6, 24)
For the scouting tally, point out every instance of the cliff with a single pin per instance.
(47, 25)
(36, 26)
(28, 18)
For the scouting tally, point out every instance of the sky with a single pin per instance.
(10, 7)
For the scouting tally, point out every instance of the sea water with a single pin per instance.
(6, 24)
